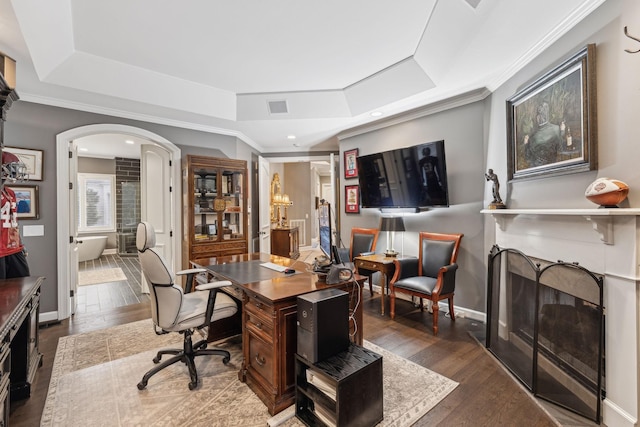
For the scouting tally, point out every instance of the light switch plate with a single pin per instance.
(33, 230)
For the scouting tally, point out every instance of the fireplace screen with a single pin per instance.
(546, 325)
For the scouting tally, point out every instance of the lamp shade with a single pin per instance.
(392, 224)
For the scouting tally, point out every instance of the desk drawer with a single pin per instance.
(261, 360)
(255, 305)
(260, 326)
(369, 265)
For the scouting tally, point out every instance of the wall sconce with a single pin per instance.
(391, 225)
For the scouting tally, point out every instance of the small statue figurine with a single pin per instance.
(497, 200)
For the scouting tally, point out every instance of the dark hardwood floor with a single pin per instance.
(487, 394)
(103, 296)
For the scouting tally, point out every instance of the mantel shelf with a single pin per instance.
(601, 219)
(575, 212)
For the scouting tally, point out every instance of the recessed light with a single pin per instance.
(83, 149)
(291, 137)
(376, 113)
(128, 141)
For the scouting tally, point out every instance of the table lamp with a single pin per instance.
(391, 225)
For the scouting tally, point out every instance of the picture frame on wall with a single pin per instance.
(352, 199)
(350, 164)
(32, 159)
(27, 200)
(551, 123)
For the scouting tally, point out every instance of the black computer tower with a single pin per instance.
(323, 324)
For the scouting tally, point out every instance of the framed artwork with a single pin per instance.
(32, 160)
(551, 123)
(27, 201)
(350, 165)
(352, 199)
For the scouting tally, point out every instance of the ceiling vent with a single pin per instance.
(278, 107)
(473, 3)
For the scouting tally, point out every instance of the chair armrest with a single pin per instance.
(405, 267)
(191, 271)
(446, 279)
(213, 285)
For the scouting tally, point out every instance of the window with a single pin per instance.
(96, 202)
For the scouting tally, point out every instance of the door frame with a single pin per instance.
(62, 208)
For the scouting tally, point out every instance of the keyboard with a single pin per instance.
(273, 266)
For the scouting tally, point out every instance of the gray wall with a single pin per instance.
(35, 126)
(462, 131)
(297, 184)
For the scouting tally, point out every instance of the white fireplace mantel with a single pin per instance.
(614, 251)
(601, 218)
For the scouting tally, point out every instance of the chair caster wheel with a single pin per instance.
(226, 360)
(192, 385)
(142, 385)
(156, 359)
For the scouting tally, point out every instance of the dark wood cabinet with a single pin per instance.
(19, 353)
(343, 390)
(215, 207)
(285, 242)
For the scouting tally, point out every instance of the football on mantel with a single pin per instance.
(607, 192)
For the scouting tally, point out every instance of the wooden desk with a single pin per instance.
(269, 316)
(381, 263)
(19, 354)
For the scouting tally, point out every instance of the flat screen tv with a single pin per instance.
(412, 177)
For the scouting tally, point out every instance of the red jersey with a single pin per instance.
(9, 233)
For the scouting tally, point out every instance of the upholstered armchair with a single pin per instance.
(363, 242)
(173, 310)
(431, 276)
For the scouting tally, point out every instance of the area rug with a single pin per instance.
(103, 275)
(94, 377)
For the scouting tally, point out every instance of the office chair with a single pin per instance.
(173, 310)
(363, 242)
(431, 276)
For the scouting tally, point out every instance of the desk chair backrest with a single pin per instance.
(437, 250)
(166, 296)
(363, 240)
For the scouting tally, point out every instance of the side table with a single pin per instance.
(382, 264)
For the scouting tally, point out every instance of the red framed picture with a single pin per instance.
(352, 199)
(350, 165)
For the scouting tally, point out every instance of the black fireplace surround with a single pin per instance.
(545, 323)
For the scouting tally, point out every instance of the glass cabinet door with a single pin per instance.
(205, 187)
(232, 217)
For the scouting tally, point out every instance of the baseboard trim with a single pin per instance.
(461, 312)
(50, 316)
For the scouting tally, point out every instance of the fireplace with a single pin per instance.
(545, 324)
(606, 242)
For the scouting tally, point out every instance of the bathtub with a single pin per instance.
(90, 247)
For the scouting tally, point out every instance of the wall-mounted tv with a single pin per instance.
(412, 177)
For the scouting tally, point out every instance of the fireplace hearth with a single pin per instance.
(546, 325)
(606, 241)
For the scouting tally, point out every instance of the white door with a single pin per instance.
(156, 201)
(73, 226)
(265, 194)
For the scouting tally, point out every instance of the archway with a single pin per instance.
(63, 141)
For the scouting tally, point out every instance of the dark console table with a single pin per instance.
(344, 390)
(19, 355)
